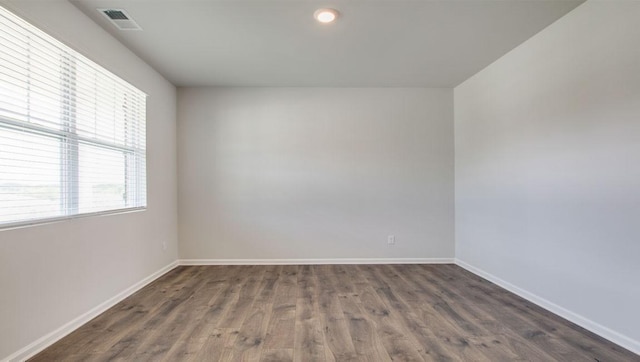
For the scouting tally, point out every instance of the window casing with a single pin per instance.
(72, 134)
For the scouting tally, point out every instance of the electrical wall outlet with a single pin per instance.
(391, 240)
(164, 245)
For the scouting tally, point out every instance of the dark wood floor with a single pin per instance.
(329, 313)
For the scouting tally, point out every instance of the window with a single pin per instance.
(72, 134)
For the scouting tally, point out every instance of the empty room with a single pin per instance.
(307, 180)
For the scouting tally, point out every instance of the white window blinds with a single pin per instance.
(72, 134)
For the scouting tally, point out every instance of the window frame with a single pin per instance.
(133, 152)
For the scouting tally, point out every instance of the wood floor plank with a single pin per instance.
(443, 321)
(328, 313)
(492, 324)
(126, 340)
(404, 319)
(194, 334)
(248, 343)
(159, 333)
(111, 324)
(366, 341)
(396, 342)
(281, 329)
(450, 321)
(554, 335)
(334, 327)
(243, 300)
(277, 355)
(308, 340)
(250, 340)
(469, 323)
(214, 346)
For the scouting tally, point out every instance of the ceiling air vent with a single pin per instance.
(120, 19)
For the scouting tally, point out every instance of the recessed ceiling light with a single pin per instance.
(326, 16)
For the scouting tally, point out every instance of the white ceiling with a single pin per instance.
(278, 43)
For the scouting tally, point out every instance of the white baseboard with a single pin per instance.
(602, 331)
(49, 339)
(315, 261)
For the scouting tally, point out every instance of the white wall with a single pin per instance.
(547, 167)
(315, 173)
(51, 274)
